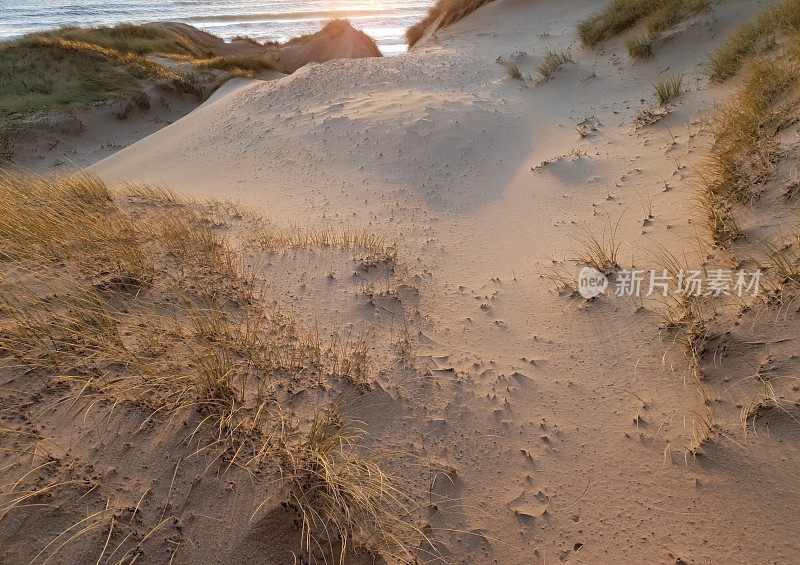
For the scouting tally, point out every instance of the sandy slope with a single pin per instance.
(531, 399)
(64, 142)
(69, 140)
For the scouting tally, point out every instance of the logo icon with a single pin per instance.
(591, 282)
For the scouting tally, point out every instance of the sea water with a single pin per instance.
(262, 20)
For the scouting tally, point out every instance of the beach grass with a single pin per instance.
(601, 252)
(514, 72)
(667, 90)
(553, 61)
(657, 16)
(755, 37)
(41, 78)
(241, 64)
(142, 39)
(640, 47)
(744, 128)
(745, 149)
(73, 68)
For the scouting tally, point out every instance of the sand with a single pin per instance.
(567, 428)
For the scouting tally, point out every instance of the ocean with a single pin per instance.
(277, 20)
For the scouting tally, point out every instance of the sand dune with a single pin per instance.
(337, 40)
(438, 147)
(562, 429)
(65, 134)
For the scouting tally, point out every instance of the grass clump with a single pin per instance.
(753, 38)
(441, 15)
(552, 63)
(640, 47)
(745, 148)
(667, 90)
(241, 64)
(344, 497)
(693, 333)
(71, 219)
(358, 241)
(514, 72)
(620, 15)
(784, 260)
(600, 253)
(683, 309)
(73, 68)
(717, 210)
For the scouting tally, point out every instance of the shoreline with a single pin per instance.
(385, 23)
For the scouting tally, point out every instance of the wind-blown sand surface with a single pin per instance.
(567, 425)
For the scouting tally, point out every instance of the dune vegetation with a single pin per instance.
(49, 75)
(755, 37)
(553, 61)
(141, 39)
(743, 153)
(133, 301)
(335, 28)
(667, 90)
(657, 16)
(73, 67)
(187, 380)
(745, 149)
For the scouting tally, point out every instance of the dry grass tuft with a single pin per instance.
(513, 71)
(689, 320)
(784, 260)
(344, 498)
(683, 311)
(668, 90)
(563, 279)
(600, 253)
(717, 210)
(640, 47)
(552, 63)
(137, 298)
(366, 246)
